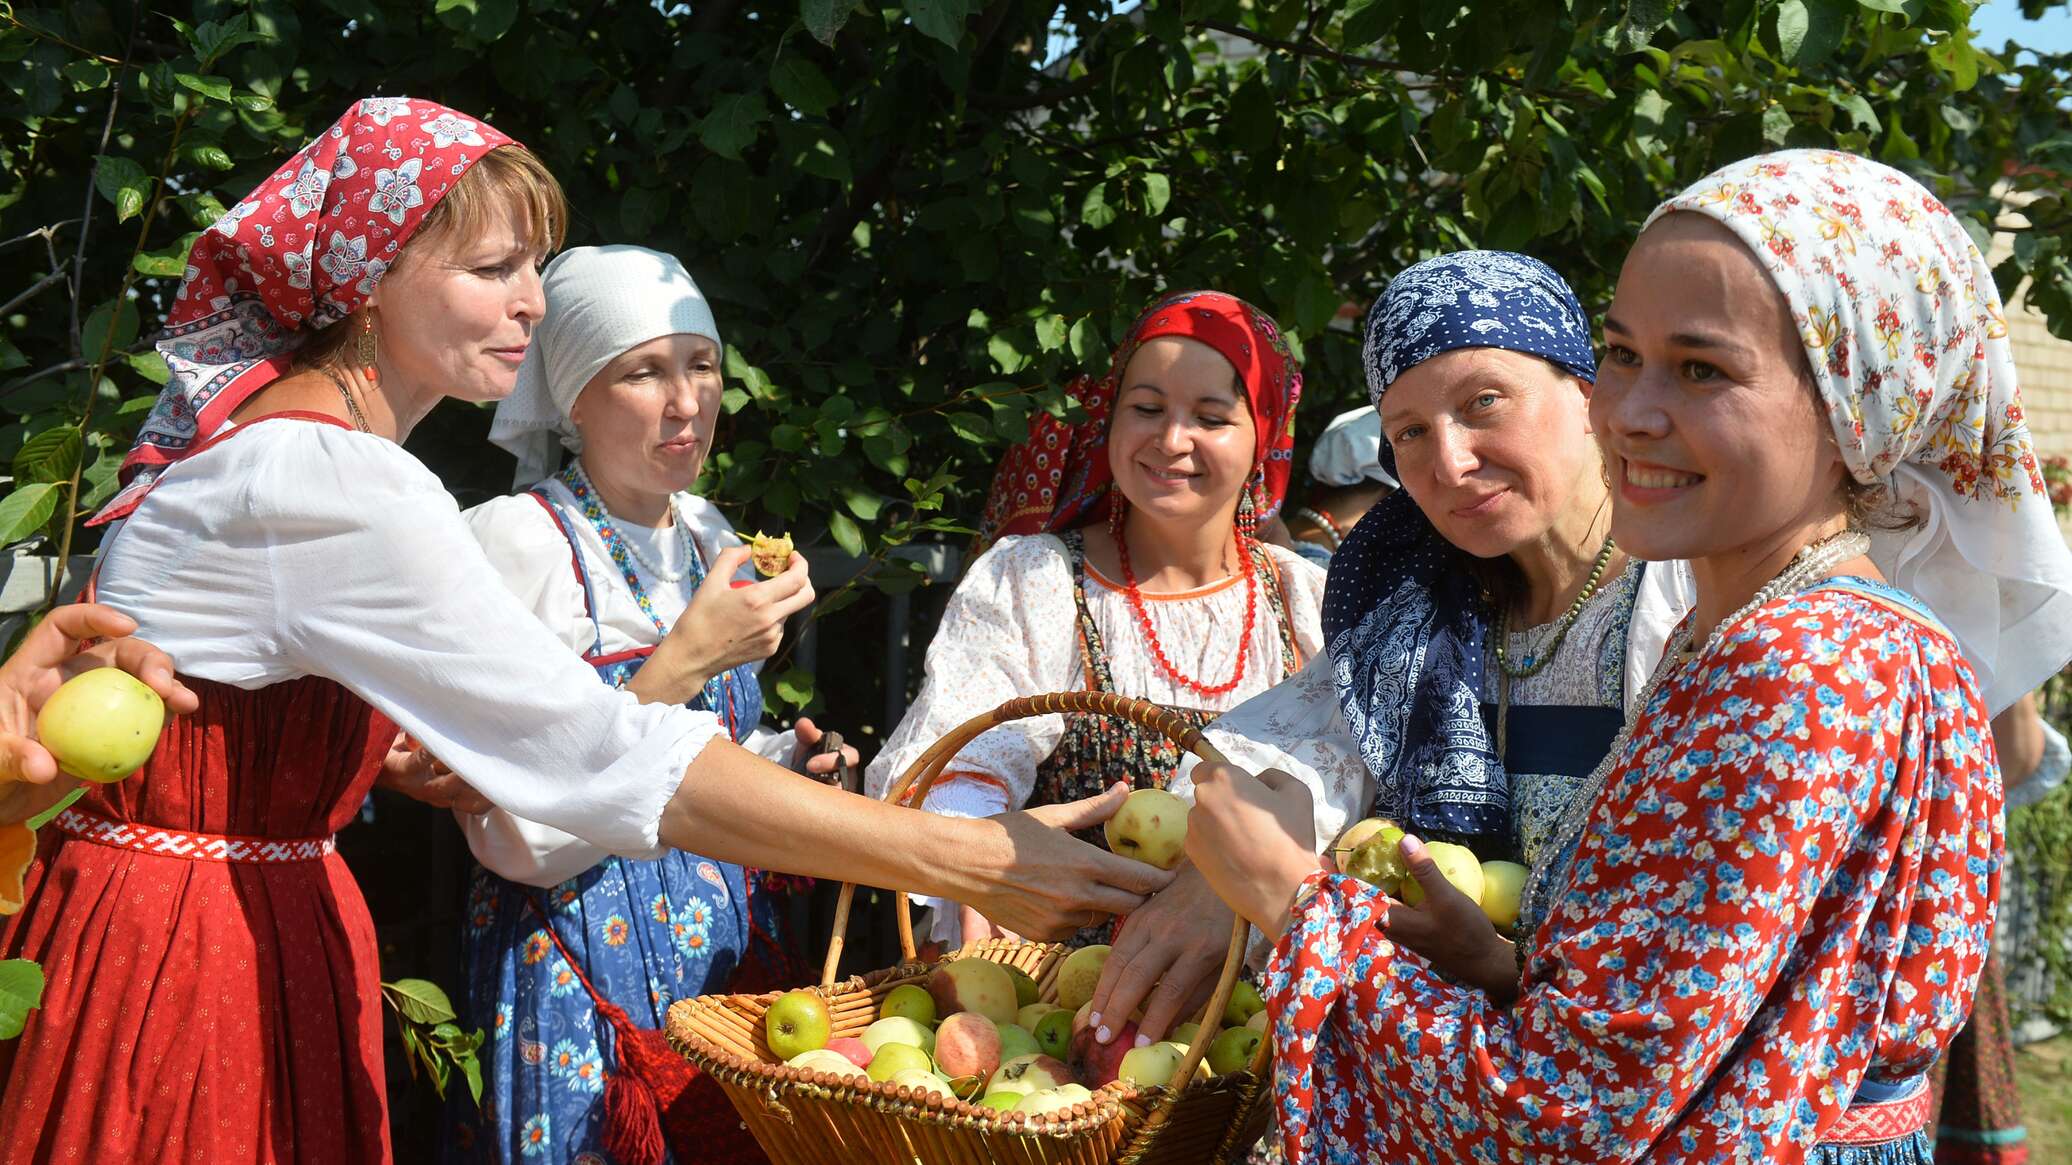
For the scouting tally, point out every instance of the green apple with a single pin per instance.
(1054, 1033)
(822, 1060)
(1457, 863)
(1231, 1050)
(908, 1001)
(898, 1030)
(796, 1022)
(1079, 974)
(1028, 1015)
(1151, 827)
(1016, 1040)
(1185, 1034)
(101, 725)
(1151, 1066)
(922, 1082)
(1244, 1004)
(892, 1059)
(1000, 1100)
(1503, 885)
(1025, 989)
(974, 985)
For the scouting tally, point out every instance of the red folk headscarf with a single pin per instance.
(301, 251)
(1059, 478)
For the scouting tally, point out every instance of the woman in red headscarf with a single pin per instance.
(213, 989)
(1124, 558)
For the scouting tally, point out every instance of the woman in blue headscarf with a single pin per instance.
(1484, 632)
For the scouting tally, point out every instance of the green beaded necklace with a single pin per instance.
(1540, 657)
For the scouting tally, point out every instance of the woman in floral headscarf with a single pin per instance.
(213, 987)
(1768, 919)
(1127, 560)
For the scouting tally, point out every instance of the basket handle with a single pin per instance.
(928, 768)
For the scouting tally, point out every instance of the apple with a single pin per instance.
(1095, 1063)
(822, 1060)
(1000, 1100)
(1231, 1050)
(1356, 836)
(856, 1051)
(1185, 1034)
(968, 1044)
(1025, 1074)
(1244, 1004)
(1151, 1066)
(101, 725)
(1257, 1023)
(974, 985)
(1079, 974)
(796, 1022)
(1503, 884)
(892, 1059)
(1016, 1040)
(923, 1082)
(1030, 1013)
(1457, 862)
(1054, 1033)
(1151, 827)
(908, 1001)
(1378, 861)
(1025, 989)
(898, 1030)
(1054, 1099)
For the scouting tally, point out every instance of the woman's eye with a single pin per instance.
(1621, 355)
(1699, 372)
(493, 271)
(1146, 410)
(1407, 433)
(1485, 400)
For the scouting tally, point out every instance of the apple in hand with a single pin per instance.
(1151, 827)
(1378, 860)
(898, 1030)
(1457, 862)
(892, 1059)
(1231, 1050)
(974, 985)
(796, 1022)
(1080, 974)
(1151, 1066)
(908, 1001)
(1095, 1063)
(101, 725)
(1503, 887)
(968, 1044)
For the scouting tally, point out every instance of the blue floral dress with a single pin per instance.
(1766, 924)
(645, 933)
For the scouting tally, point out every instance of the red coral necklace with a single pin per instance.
(1135, 596)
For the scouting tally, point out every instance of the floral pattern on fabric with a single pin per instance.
(302, 250)
(1786, 886)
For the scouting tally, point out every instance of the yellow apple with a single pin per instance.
(1079, 974)
(822, 1060)
(1503, 884)
(1026, 1074)
(1378, 860)
(101, 725)
(908, 1000)
(922, 1081)
(898, 1030)
(1457, 862)
(974, 985)
(892, 1059)
(1151, 827)
(1185, 1034)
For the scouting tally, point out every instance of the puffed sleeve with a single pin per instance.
(1010, 630)
(1786, 883)
(377, 583)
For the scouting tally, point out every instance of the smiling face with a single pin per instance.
(456, 314)
(646, 418)
(1181, 441)
(1493, 445)
(1712, 433)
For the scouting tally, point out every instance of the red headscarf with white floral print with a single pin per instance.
(301, 251)
(1909, 350)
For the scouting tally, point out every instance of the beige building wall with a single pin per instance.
(2043, 371)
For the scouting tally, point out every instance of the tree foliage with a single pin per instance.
(915, 224)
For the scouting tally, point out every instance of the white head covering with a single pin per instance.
(601, 301)
(1348, 451)
(1903, 328)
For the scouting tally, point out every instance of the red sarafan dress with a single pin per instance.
(199, 1009)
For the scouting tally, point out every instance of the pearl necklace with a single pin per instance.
(1539, 657)
(1812, 563)
(632, 547)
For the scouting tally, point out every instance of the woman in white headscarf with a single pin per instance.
(1347, 477)
(652, 587)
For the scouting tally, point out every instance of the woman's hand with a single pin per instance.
(1253, 839)
(411, 769)
(724, 627)
(1451, 931)
(975, 927)
(807, 758)
(1167, 958)
(54, 651)
(1026, 873)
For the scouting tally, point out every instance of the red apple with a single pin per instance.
(1095, 1063)
(856, 1050)
(974, 985)
(967, 1044)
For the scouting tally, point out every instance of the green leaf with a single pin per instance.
(64, 803)
(122, 182)
(845, 532)
(1643, 18)
(21, 991)
(151, 366)
(861, 502)
(1086, 342)
(1050, 333)
(26, 509)
(471, 1068)
(1094, 210)
(1899, 6)
(1001, 347)
(801, 85)
(1792, 22)
(824, 18)
(215, 87)
(108, 329)
(643, 209)
(731, 126)
(419, 1001)
(51, 455)
(1158, 191)
(795, 687)
(942, 20)
(1367, 23)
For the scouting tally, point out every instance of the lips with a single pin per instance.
(1479, 506)
(512, 355)
(680, 445)
(1653, 477)
(1167, 476)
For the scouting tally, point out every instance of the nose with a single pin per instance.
(1175, 437)
(682, 402)
(1630, 406)
(529, 302)
(1453, 454)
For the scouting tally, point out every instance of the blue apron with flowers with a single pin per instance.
(646, 933)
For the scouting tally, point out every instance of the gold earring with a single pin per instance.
(365, 349)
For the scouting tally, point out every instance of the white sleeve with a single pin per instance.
(1302, 585)
(2049, 772)
(1010, 630)
(379, 585)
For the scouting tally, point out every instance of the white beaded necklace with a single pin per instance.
(683, 530)
(1811, 563)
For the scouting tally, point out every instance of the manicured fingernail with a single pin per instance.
(1143, 1041)
(1412, 848)
(1094, 1017)
(1103, 1035)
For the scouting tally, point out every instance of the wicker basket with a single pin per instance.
(813, 1118)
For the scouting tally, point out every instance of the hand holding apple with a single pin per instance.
(1449, 928)
(1026, 873)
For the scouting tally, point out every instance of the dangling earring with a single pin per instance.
(1117, 511)
(364, 350)
(1247, 517)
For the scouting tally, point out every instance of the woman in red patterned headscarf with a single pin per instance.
(1124, 557)
(213, 988)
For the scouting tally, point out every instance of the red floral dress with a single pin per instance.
(1777, 907)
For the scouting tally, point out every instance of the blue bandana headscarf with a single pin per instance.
(1404, 620)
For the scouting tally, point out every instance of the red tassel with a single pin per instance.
(632, 1118)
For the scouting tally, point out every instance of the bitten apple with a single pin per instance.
(797, 1022)
(974, 985)
(1151, 827)
(101, 725)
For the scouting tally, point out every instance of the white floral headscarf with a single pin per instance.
(1909, 349)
